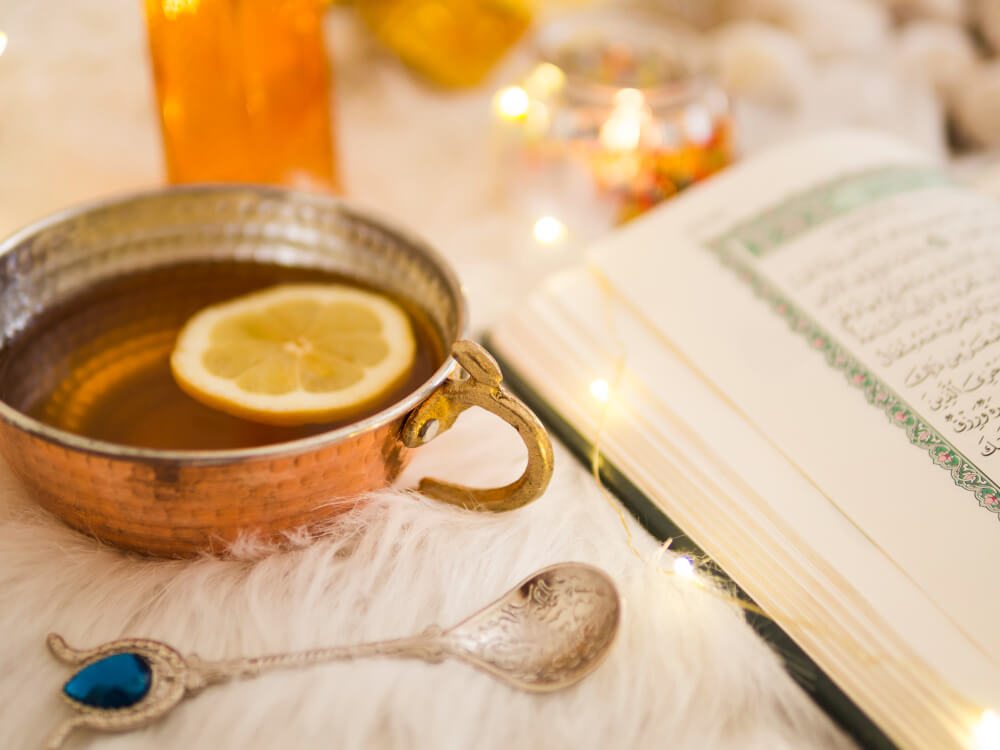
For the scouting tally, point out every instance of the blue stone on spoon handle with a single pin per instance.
(115, 681)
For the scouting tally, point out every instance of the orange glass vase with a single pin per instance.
(244, 91)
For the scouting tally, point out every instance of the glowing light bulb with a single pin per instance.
(684, 568)
(549, 229)
(600, 390)
(512, 102)
(3, 42)
(987, 732)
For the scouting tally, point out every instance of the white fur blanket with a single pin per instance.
(686, 671)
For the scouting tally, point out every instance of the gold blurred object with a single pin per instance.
(244, 91)
(451, 42)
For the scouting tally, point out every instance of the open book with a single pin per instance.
(798, 363)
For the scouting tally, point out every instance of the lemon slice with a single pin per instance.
(295, 353)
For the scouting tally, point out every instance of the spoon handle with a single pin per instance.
(178, 676)
(428, 645)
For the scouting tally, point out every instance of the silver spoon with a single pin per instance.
(545, 634)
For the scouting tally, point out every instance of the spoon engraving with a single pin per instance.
(545, 634)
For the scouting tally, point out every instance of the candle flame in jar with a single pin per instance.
(622, 131)
(3, 42)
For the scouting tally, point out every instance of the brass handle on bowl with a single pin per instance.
(483, 388)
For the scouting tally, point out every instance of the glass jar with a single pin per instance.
(618, 113)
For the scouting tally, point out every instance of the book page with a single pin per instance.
(846, 296)
(695, 455)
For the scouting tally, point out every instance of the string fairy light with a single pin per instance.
(683, 567)
(600, 390)
(512, 102)
(548, 229)
(987, 731)
(622, 131)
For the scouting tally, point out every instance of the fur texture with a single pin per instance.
(686, 672)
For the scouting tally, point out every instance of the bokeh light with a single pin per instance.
(549, 229)
(512, 102)
(600, 390)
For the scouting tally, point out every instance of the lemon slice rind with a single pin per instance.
(298, 406)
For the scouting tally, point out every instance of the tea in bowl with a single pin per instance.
(97, 427)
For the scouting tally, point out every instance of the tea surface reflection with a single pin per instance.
(98, 365)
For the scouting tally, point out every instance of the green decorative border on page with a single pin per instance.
(777, 226)
(786, 221)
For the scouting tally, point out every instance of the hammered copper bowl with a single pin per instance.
(181, 503)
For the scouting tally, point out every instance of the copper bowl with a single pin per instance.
(181, 503)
